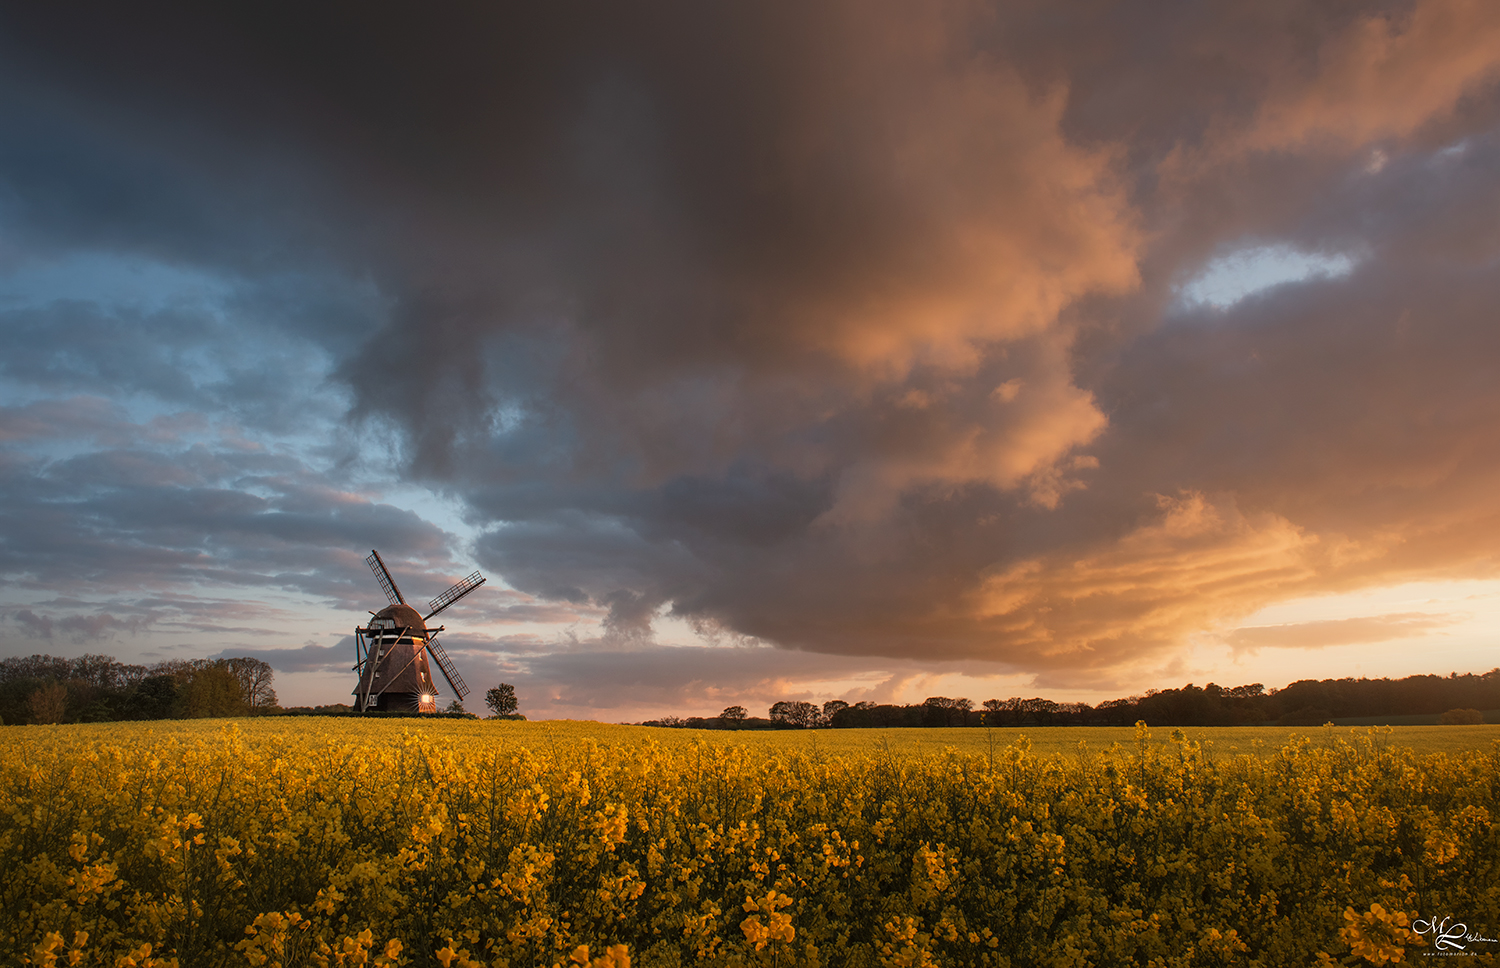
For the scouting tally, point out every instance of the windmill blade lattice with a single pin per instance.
(459, 590)
(445, 665)
(387, 583)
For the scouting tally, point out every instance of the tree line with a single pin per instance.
(1307, 702)
(43, 689)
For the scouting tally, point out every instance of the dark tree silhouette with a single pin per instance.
(502, 699)
(795, 713)
(255, 677)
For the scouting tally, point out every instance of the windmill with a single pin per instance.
(392, 650)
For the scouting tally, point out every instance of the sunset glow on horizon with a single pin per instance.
(757, 352)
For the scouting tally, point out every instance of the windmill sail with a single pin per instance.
(387, 583)
(459, 590)
(445, 664)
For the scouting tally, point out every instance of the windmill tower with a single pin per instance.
(392, 650)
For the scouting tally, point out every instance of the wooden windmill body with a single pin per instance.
(393, 650)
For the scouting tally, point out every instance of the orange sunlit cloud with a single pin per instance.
(837, 349)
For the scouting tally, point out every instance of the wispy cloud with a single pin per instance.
(1340, 631)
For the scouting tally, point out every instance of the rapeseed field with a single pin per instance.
(334, 842)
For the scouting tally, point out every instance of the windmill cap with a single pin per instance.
(403, 615)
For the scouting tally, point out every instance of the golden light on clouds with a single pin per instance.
(1384, 76)
(840, 346)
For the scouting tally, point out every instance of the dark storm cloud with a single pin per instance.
(72, 345)
(851, 327)
(80, 418)
(136, 625)
(78, 628)
(239, 351)
(138, 518)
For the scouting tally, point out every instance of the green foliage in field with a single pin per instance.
(468, 843)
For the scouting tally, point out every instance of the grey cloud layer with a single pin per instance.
(850, 327)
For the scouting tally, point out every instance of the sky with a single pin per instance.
(837, 349)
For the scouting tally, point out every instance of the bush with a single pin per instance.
(1461, 717)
